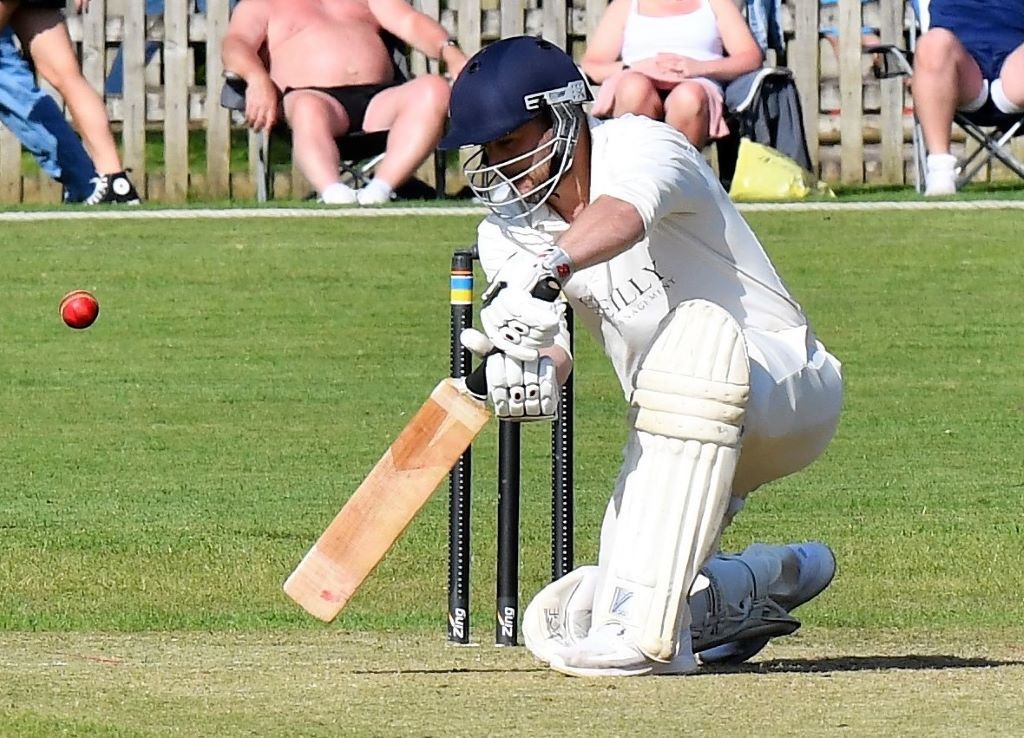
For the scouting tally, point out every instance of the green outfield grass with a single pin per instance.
(163, 471)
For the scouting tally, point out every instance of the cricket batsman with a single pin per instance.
(727, 385)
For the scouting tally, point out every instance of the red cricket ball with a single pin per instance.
(79, 309)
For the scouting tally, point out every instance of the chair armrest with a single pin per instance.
(748, 87)
(895, 62)
(232, 94)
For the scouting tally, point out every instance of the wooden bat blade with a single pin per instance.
(386, 501)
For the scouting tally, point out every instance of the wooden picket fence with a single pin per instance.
(858, 127)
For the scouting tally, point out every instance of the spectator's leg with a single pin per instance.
(686, 109)
(414, 114)
(39, 124)
(1009, 93)
(945, 79)
(635, 93)
(45, 35)
(316, 119)
(74, 168)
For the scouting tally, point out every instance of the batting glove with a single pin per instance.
(518, 322)
(519, 390)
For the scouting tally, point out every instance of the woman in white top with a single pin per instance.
(668, 59)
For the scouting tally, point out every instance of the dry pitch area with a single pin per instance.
(333, 682)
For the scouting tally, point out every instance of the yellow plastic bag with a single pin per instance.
(762, 173)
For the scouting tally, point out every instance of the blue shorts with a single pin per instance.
(990, 31)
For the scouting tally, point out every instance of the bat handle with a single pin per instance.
(548, 290)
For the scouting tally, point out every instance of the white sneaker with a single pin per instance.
(559, 615)
(816, 566)
(940, 175)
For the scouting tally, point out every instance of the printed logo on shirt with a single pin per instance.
(627, 299)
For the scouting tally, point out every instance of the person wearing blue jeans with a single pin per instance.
(37, 121)
(42, 30)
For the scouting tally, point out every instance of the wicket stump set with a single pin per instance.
(460, 487)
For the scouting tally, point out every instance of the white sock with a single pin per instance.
(376, 192)
(977, 102)
(1001, 101)
(338, 194)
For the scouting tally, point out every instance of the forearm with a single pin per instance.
(599, 71)
(731, 67)
(424, 34)
(241, 59)
(602, 231)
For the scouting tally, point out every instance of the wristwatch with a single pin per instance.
(445, 45)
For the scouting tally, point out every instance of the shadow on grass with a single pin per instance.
(908, 662)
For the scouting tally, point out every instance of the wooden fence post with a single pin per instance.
(851, 93)
(133, 116)
(175, 93)
(891, 32)
(218, 119)
(804, 60)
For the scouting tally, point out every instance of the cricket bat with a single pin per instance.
(396, 489)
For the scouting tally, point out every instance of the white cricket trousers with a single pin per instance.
(796, 393)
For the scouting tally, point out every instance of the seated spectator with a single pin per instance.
(37, 121)
(971, 59)
(668, 59)
(40, 27)
(327, 65)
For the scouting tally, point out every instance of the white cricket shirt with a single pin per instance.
(697, 245)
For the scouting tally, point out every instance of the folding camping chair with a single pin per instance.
(360, 152)
(993, 135)
(763, 106)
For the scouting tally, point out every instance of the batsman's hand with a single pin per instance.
(516, 321)
(519, 390)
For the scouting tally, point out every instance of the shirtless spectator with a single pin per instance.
(325, 63)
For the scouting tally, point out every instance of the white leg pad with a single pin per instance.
(691, 394)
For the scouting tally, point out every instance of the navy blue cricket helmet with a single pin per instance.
(506, 84)
(502, 87)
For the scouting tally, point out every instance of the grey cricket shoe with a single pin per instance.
(817, 568)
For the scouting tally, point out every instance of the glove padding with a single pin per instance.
(519, 324)
(519, 390)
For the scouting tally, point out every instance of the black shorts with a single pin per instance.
(354, 98)
(41, 4)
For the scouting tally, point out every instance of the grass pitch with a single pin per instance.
(164, 470)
